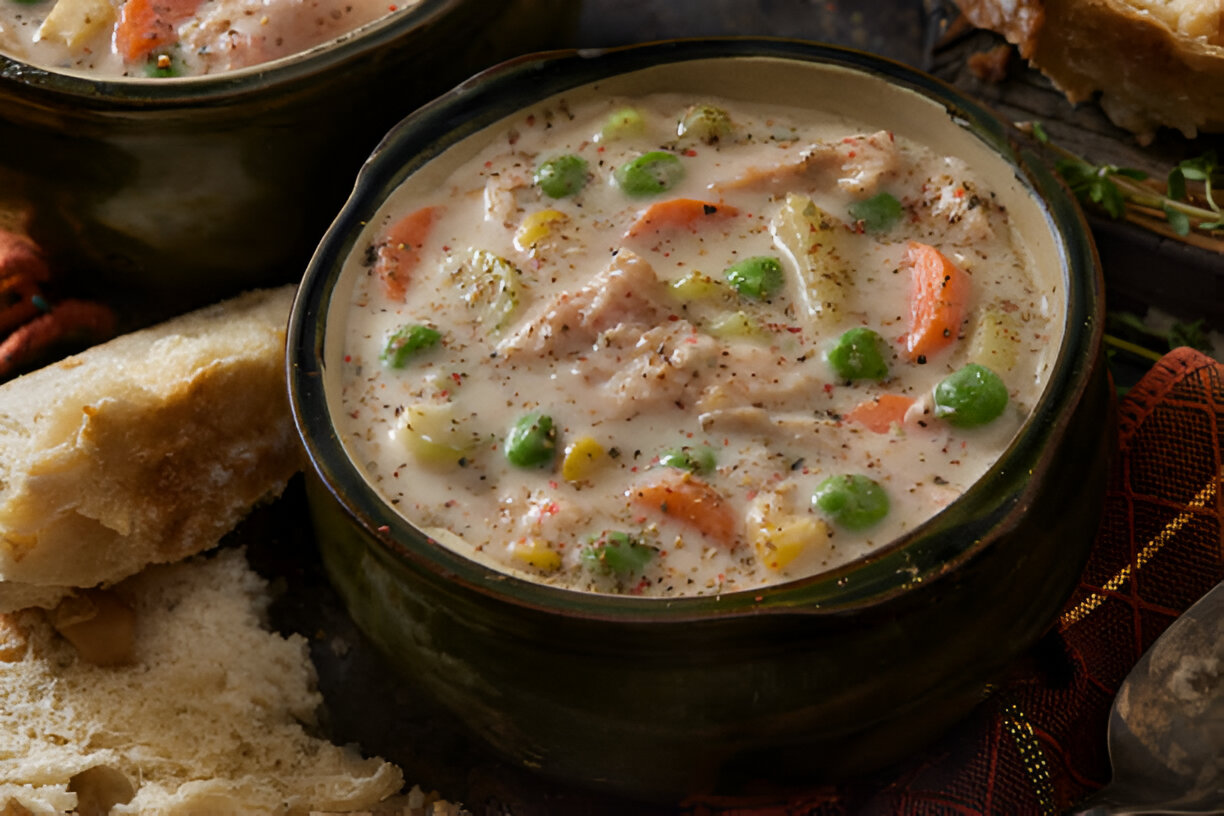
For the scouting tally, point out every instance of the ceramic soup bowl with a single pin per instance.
(191, 188)
(811, 679)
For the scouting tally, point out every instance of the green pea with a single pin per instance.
(649, 174)
(972, 396)
(407, 342)
(697, 460)
(705, 122)
(621, 124)
(851, 501)
(877, 213)
(616, 552)
(532, 441)
(561, 176)
(857, 356)
(757, 277)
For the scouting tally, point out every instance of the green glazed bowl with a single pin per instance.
(806, 681)
(192, 188)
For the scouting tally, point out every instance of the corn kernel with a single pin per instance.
(777, 545)
(536, 227)
(535, 553)
(583, 457)
(780, 535)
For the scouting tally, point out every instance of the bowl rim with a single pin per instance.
(82, 89)
(913, 560)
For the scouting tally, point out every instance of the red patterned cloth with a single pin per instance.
(1037, 745)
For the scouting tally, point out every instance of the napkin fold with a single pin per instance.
(1037, 744)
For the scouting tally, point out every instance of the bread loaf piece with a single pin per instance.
(207, 718)
(145, 449)
(1154, 62)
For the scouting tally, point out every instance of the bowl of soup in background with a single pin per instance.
(812, 677)
(188, 188)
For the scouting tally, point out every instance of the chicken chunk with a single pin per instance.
(625, 293)
(857, 164)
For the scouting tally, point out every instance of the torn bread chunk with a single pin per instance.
(143, 450)
(1150, 63)
(213, 714)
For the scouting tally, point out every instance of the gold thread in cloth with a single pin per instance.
(1084, 607)
(1031, 755)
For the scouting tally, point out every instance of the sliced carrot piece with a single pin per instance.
(146, 25)
(679, 213)
(938, 301)
(400, 251)
(692, 501)
(879, 414)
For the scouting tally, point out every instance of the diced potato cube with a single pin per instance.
(536, 554)
(808, 237)
(490, 285)
(995, 341)
(74, 22)
(735, 325)
(583, 457)
(696, 286)
(430, 432)
(536, 227)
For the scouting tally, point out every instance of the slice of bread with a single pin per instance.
(206, 718)
(143, 450)
(1153, 62)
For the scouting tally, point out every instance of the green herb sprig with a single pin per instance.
(1124, 192)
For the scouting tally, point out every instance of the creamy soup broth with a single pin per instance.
(162, 38)
(680, 331)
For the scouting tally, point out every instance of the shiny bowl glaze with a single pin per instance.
(806, 681)
(192, 188)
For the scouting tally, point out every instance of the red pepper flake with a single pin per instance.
(552, 483)
(960, 192)
(553, 508)
(384, 529)
(348, 358)
(392, 7)
(531, 120)
(794, 329)
(457, 378)
(759, 598)
(851, 154)
(489, 163)
(599, 149)
(690, 152)
(828, 388)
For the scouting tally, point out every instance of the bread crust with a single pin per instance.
(1148, 74)
(143, 450)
